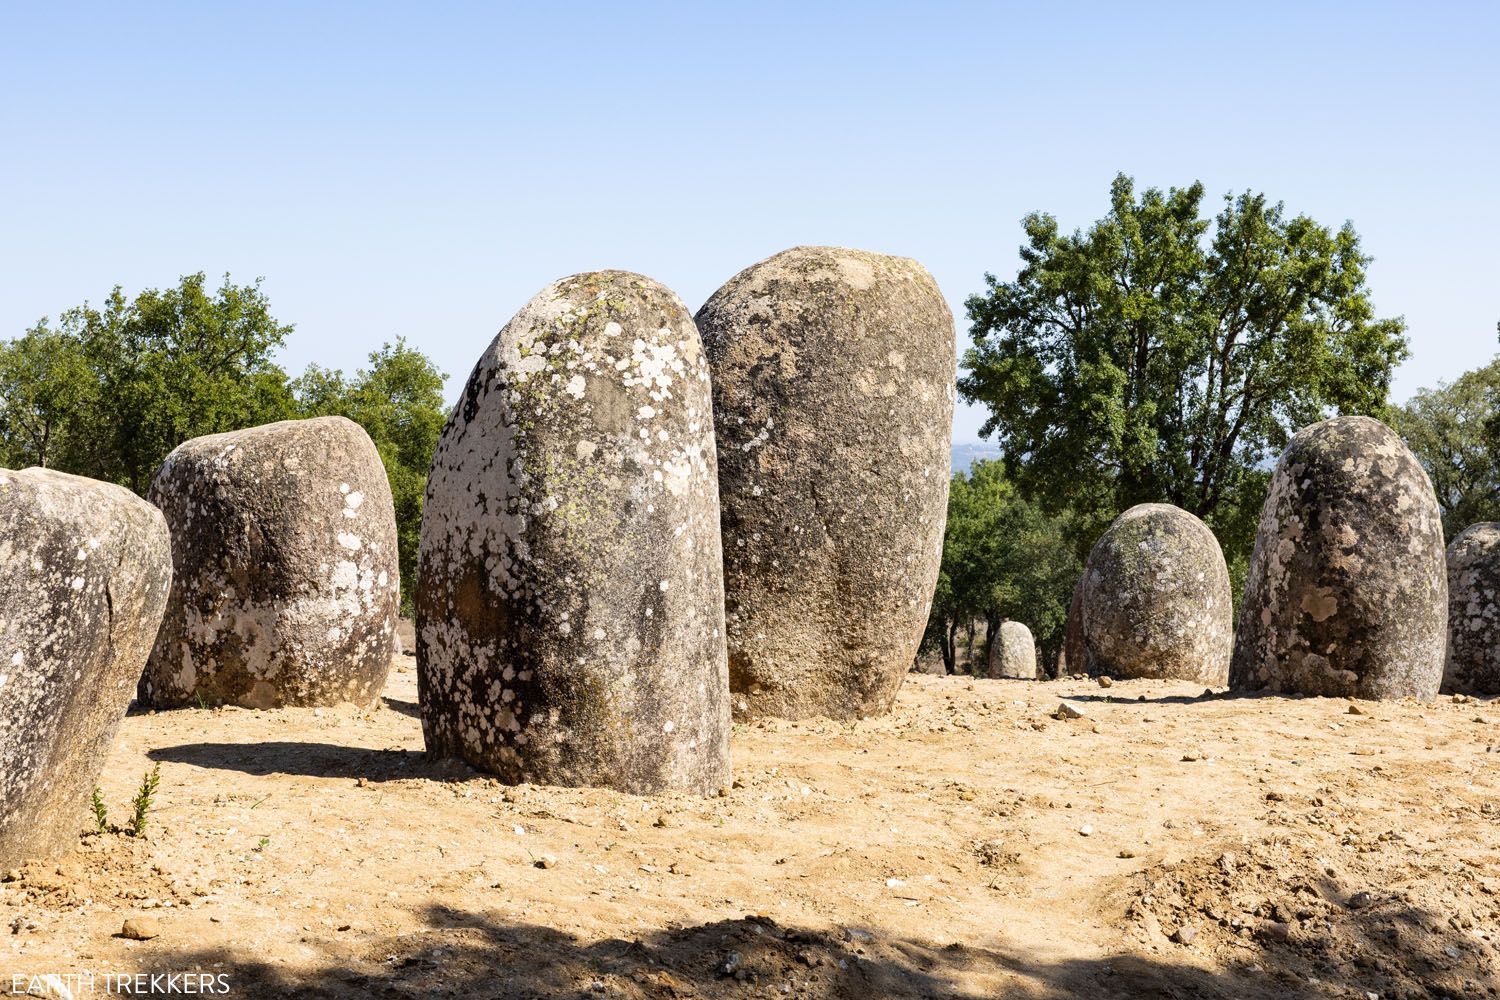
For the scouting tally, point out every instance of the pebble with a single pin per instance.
(1105, 682)
(665, 820)
(1067, 711)
(141, 928)
(1356, 710)
(1185, 934)
(1085, 830)
(546, 861)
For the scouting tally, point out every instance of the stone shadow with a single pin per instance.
(476, 955)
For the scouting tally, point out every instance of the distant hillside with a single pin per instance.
(969, 452)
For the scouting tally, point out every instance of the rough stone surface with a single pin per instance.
(85, 568)
(1074, 656)
(1156, 599)
(570, 609)
(1013, 652)
(287, 586)
(1473, 660)
(1347, 590)
(833, 401)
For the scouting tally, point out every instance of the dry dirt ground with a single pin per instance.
(1170, 843)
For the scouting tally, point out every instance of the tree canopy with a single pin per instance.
(1454, 430)
(1163, 356)
(107, 392)
(1003, 558)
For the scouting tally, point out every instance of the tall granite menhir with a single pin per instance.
(1473, 661)
(1347, 591)
(1156, 600)
(84, 572)
(287, 585)
(833, 381)
(570, 606)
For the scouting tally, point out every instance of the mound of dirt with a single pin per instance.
(1383, 919)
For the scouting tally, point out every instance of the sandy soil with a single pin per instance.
(1167, 844)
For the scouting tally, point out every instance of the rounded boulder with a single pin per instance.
(1472, 664)
(1156, 599)
(84, 578)
(287, 586)
(570, 606)
(1347, 592)
(833, 383)
(1013, 652)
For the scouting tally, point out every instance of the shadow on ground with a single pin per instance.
(474, 955)
(318, 760)
(407, 708)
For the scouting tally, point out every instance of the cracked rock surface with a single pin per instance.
(85, 568)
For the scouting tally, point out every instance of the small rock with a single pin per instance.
(731, 964)
(1105, 682)
(1360, 900)
(546, 861)
(1356, 710)
(1066, 711)
(1126, 853)
(141, 928)
(1085, 830)
(664, 820)
(1185, 934)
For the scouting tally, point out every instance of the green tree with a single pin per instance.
(167, 366)
(111, 390)
(1163, 356)
(1003, 558)
(398, 400)
(1453, 431)
(45, 384)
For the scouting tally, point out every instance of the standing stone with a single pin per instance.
(833, 399)
(1074, 656)
(570, 607)
(287, 586)
(84, 572)
(1013, 652)
(1347, 592)
(1156, 598)
(1473, 660)
(930, 665)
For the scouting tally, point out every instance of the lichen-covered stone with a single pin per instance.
(1013, 652)
(1347, 589)
(570, 607)
(85, 569)
(286, 587)
(1156, 600)
(1472, 665)
(833, 400)
(1073, 658)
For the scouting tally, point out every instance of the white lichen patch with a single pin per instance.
(546, 531)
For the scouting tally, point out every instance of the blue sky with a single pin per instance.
(423, 169)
